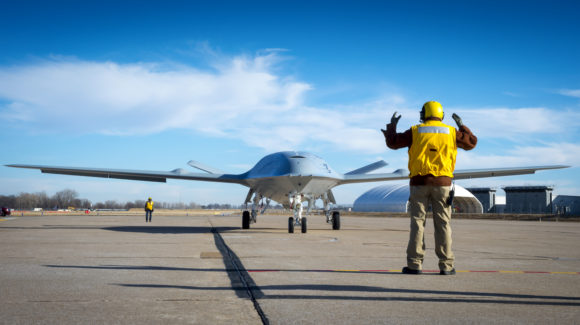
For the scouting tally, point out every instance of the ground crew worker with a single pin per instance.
(148, 210)
(432, 152)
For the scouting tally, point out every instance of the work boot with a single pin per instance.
(407, 270)
(450, 272)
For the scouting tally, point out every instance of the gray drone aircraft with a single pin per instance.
(285, 177)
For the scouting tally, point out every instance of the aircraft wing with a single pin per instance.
(458, 174)
(364, 178)
(139, 175)
(494, 172)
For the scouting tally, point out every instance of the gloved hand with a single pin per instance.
(395, 119)
(457, 120)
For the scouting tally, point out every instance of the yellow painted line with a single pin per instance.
(517, 272)
(565, 272)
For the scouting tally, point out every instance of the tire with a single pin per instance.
(246, 220)
(290, 225)
(304, 225)
(336, 220)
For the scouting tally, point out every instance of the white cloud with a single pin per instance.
(241, 98)
(548, 154)
(570, 92)
(245, 98)
(143, 98)
(511, 94)
(518, 124)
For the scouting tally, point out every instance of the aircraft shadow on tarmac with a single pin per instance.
(239, 274)
(135, 229)
(168, 229)
(470, 297)
(258, 291)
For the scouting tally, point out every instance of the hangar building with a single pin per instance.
(394, 198)
(528, 199)
(485, 195)
(567, 205)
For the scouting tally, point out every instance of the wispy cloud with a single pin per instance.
(548, 154)
(519, 124)
(570, 92)
(511, 94)
(114, 98)
(243, 97)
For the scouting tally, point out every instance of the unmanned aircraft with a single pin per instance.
(285, 177)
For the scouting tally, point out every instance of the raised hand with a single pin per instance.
(457, 120)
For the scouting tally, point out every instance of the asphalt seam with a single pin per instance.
(241, 271)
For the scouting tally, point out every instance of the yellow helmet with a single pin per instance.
(431, 109)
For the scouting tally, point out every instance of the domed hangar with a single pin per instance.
(395, 198)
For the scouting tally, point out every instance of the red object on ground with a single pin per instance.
(5, 211)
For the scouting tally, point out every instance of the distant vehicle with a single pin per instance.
(5, 211)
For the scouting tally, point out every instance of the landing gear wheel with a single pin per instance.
(290, 225)
(303, 224)
(246, 220)
(336, 220)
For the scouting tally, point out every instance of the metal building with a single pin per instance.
(567, 205)
(394, 198)
(528, 199)
(486, 196)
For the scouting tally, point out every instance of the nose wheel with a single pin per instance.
(302, 223)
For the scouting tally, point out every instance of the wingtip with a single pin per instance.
(559, 167)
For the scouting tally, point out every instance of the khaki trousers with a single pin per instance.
(421, 197)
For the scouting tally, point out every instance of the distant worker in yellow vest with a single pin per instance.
(432, 152)
(148, 210)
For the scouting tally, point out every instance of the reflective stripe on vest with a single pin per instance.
(434, 129)
(433, 149)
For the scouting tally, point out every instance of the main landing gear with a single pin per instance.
(335, 220)
(332, 218)
(248, 218)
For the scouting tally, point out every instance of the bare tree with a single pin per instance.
(43, 200)
(65, 198)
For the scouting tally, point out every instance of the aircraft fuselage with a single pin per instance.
(281, 174)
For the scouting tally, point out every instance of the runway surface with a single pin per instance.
(206, 270)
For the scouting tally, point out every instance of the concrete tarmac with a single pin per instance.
(206, 270)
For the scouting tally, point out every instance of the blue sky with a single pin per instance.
(153, 84)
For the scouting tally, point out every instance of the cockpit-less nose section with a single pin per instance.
(290, 178)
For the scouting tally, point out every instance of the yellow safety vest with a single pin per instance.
(149, 205)
(433, 150)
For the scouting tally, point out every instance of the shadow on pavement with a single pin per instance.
(427, 295)
(167, 229)
(437, 296)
